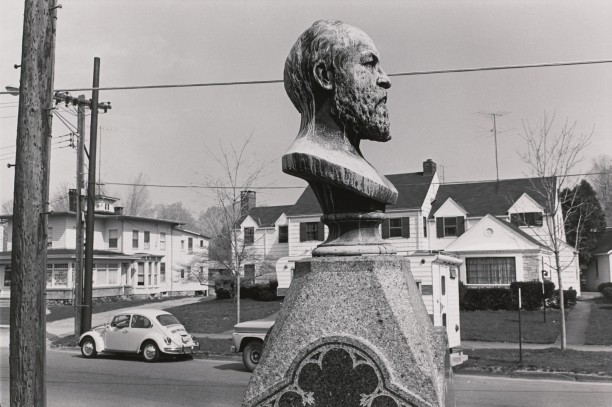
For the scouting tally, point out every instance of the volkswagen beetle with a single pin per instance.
(148, 332)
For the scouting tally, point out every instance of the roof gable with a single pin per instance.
(450, 208)
(265, 216)
(491, 233)
(525, 204)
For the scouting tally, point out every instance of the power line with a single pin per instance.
(265, 82)
(178, 186)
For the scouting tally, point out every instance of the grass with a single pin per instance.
(502, 326)
(599, 331)
(542, 360)
(218, 316)
(67, 311)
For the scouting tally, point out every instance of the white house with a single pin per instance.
(498, 253)
(133, 256)
(599, 269)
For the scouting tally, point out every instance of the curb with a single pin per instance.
(523, 374)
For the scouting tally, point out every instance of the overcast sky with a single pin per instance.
(163, 133)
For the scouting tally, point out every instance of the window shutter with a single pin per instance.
(538, 219)
(405, 227)
(424, 226)
(460, 225)
(302, 232)
(385, 229)
(321, 231)
(440, 227)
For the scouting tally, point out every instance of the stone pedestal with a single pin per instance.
(353, 331)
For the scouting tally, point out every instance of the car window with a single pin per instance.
(138, 321)
(121, 321)
(167, 319)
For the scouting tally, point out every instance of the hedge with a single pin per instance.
(259, 292)
(606, 290)
(501, 298)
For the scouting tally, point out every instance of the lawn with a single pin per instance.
(543, 360)
(502, 326)
(599, 331)
(217, 316)
(67, 311)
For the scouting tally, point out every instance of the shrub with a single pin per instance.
(607, 293)
(259, 292)
(224, 289)
(531, 293)
(494, 299)
(569, 298)
(603, 286)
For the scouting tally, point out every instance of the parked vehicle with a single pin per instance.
(149, 332)
(249, 339)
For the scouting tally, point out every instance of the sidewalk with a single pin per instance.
(575, 326)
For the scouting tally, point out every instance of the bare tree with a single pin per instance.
(7, 207)
(177, 212)
(60, 200)
(551, 157)
(601, 179)
(137, 201)
(239, 174)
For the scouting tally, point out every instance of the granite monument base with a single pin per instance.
(353, 331)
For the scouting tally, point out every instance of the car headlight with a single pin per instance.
(168, 340)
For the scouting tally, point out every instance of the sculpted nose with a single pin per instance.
(383, 80)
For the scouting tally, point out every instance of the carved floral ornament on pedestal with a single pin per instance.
(336, 374)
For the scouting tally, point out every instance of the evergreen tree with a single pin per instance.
(584, 218)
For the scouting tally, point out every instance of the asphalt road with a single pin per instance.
(113, 381)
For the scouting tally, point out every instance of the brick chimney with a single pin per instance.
(429, 167)
(247, 201)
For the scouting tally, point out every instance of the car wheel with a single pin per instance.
(252, 354)
(88, 348)
(150, 352)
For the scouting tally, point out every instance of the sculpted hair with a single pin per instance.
(324, 41)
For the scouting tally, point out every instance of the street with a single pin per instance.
(112, 381)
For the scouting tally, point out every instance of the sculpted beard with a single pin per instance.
(363, 113)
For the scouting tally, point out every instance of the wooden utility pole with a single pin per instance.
(78, 269)
(91, 194)
(29, 251)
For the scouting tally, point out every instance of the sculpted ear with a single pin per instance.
(323, 76)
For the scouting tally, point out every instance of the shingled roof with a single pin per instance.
(411, 187)
(494, 197)
(265, 216)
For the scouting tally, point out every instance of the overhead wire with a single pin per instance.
(271, 81)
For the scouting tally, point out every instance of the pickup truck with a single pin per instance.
(249, 339)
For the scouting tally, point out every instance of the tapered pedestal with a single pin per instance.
(353, 331)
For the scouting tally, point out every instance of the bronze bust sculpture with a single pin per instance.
(334, 79)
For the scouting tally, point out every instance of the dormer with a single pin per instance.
(526, 212)
(450, 219)
(105, 204)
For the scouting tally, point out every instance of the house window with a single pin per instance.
(396, 227)
(249, 235)
(147, 239)
(283, 234)
(190, 245)
(450, 226)
(526, 219)
(443, 285)
(311, 231)
(162, 272)
(113, 238)
(162, 241)
(7, 275)
(49, 236)
(182, 273)
(444, 319)
(490, 270)
(101, 274)
(424, 226)
(152, 279)
(182, 245)
(57, 275)
(201, 242)
(135, 239)
(141, 274)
